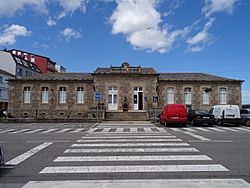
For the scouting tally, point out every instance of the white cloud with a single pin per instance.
(202, 39)
(139, 21)
(69, 33)
(212, 6)
(8, 37)
(70, 6)
(51, 22)
(10, 7)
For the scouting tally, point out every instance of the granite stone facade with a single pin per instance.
(136, 85)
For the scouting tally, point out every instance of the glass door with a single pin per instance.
(112, 98)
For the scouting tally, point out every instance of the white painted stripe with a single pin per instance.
(139, 183)
(134, 168)
(162, 129)
(49, 130)
(229, 129)
(216, 129)
(92, 130)
(133, 140)
(128, 137)
(197, 136)
(189, 129)
(7, 130)
(106, 130)
(34, 131)
(63, 130)
(175, 130)
(28, 154)
(139, 150)
(133, 130)
(119, 130)
(20, 131)
(173, 183)
(202, 129)
(242, 129)
(134, 158)
(77, 130)
(147, 129)
(128, 144)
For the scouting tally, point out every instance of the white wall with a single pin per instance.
(7, 62)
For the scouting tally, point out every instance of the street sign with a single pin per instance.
(155, 99)
(98, 96)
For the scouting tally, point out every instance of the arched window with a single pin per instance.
(205, 96)
(188, 95)
(170, 95)
(62, 95)
(223, 95)
(80, 95)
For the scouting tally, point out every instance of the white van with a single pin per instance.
(226, 114)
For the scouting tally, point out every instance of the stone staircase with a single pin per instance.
(126, 116)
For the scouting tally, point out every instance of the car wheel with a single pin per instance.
(247, 122)
(220, 123)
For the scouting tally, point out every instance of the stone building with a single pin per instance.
(143, 90)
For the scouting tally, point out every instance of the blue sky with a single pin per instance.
(209, 36)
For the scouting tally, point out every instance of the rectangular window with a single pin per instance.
(19, 53)
(170, 95)
(25, 56)
(80, 95)
(110, 99)
(19, 72)
(45, 95)
(32, 59)
(205, 96)
(223, 96)
(1, 79)
(188, 95)
(62, 95)
(26, 95)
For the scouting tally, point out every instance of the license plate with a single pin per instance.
(175, 117)
(205, 117)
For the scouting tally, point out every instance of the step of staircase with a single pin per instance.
(126, 116)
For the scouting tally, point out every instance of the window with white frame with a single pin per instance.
(32, 58)
(45, 95)
(170, 95)
(205, 96)
(62, 95)
(80, 95)
(188, 95)
(223, 95)
(26, 95)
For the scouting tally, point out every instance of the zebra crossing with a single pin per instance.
(127, 129)
(213, 129)
(132, 159)
(43, 131)
(143, 153)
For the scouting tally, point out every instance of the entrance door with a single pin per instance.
(112, 98)
(138, 98)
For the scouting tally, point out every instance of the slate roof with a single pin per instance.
(111, 71)
(193, 77)
(56, 76)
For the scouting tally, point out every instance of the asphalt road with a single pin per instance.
(139, 154)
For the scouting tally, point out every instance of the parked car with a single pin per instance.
(226, 114)
(1, 156)
(174, 114)
(200, 117)
(245, 116)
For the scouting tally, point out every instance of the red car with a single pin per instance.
(174, 114)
